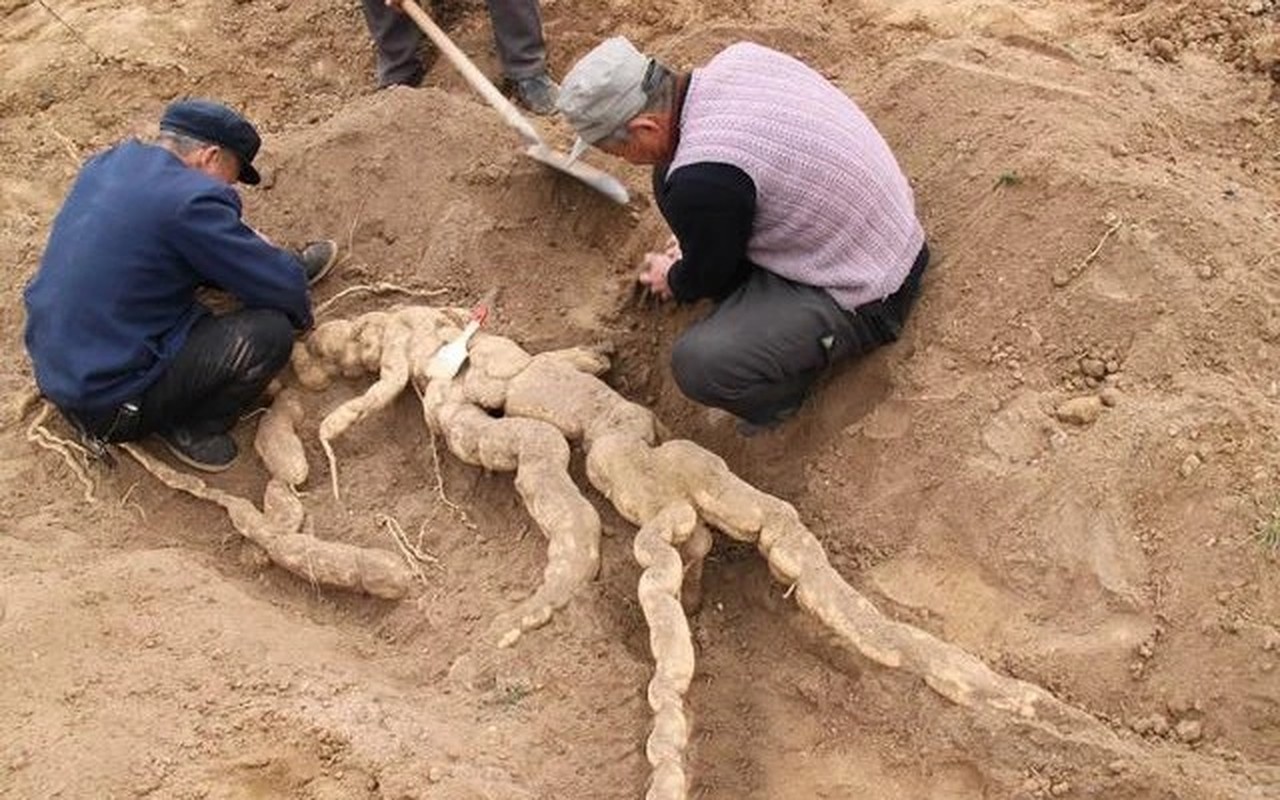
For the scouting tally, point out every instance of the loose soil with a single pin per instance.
(1100, 184)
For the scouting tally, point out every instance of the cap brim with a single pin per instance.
(580, 146)
(249, 175)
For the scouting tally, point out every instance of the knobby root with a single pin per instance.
(72, 454)
(512, 411)
(414, 556)
(277, 442)
(381, 287)
(539, 456)
(333, 564)
(672, 646)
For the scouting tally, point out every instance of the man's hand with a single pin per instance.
(672, 248)
(654, 272)
(398, 5)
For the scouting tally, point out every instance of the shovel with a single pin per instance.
(449, 359)
(535, 148)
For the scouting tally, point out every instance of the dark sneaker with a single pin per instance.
(317, 259)
(209, 452)
(538, 94)
(749, 429)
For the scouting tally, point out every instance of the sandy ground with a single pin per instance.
(1100, 183)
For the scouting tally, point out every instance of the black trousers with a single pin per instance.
(224, 366)
(760, 350)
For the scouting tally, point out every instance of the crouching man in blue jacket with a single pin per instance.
(116, 335)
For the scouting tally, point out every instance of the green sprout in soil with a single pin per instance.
(1010, 178)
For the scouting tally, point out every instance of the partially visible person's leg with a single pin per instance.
(224, 366)
(398, 40)
(517, 31)
(758, 353)
(887, 317)
(899, 303)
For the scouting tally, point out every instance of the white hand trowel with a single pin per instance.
(446, 362)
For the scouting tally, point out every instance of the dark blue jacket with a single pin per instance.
(114, 297)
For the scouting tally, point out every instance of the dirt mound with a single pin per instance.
(469, 209)
(1066, 467)
(1242, 34)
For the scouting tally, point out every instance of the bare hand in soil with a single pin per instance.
(653, 274)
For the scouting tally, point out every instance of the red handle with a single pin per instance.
(480, 312)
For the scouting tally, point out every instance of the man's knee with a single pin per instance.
(263, 341)
(698, 359)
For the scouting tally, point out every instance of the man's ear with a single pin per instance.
(205, 156)
(645, 123)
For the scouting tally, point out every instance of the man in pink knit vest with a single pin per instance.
(788, 209)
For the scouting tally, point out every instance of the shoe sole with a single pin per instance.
(200, 465)
(328, 265)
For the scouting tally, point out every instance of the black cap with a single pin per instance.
(216, 124)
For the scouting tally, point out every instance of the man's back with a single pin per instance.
(833, 209)
(113, 300)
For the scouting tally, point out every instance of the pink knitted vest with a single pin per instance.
(833, 208)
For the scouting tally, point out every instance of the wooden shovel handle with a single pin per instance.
(510, 114)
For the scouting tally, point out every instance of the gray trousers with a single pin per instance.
(517, 31)
(759, 351)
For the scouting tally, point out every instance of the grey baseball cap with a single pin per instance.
(603, 91)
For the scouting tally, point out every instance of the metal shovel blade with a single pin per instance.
(599, 180)
(535, 147)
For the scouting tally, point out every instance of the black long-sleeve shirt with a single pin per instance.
(710, 208)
